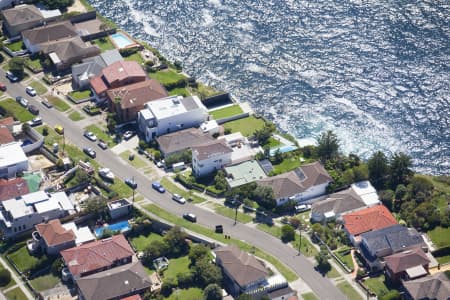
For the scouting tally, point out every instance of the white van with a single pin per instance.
(178, 166)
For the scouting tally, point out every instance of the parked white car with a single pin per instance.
(179, 199)
(30, 91)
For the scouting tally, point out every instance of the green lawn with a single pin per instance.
(39, 87)
(309, 296)
(23, 260)
(179, 92)
(45, 282)
(349, 291)
(34, 64)
(16, 110)
(205, 91)
(167, 76)
(186, 294)
(172, 188)
(440, 236)
(333, 273)
(307, 248)
(58, 103)
(104, 44)
(377, 285)
(137, 162)
(80, 95)
(346, 259)
(209, 232)
(10, 284)
(273, 230)
(16, 294)
(273, 143)
(287, 165)
(52, 136)
(246, 126)
(123, 190)
(226, 112)
(230, 213)
(101, 134)
(443, 259)
(16, 46)
(136, 57)
(76, 116)
(142, 241)
(177, 266)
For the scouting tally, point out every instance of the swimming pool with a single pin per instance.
(283, 149)
(120, 226)
(121, 40)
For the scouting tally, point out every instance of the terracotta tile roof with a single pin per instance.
(211, 149)
(297, 181)
(13, 188)
(7, 121)
(399, 262)
(5, 136)
(137, 94)
(121, 70)
(98, 85)
(96, 255)
(134, 297)
(54, 233)
(243, 267)
(369, 219)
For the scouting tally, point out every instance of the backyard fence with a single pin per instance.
(232, 118)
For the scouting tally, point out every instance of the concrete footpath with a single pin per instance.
(17, 279)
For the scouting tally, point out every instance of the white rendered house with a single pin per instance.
(210, 157)
(12, 160)
(171, 114)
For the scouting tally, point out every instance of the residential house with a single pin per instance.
(170, 114)
(407, 265)
(97, 256)
(210, 157)
(5, 136)
(128, 100)
(243, 150)
(117, 74)
(358, 196)
(117, 283)
(242, 271)
(20, 214)
(387, 241)
(20, 18)
(119, 208)
(303, 183)
(60, 41)
(365, 220)
(91, 67)
(179, 141)
(434, 287)
(13, 188)
(12, 160)
(54, 237)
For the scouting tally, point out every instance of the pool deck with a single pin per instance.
(133, 44)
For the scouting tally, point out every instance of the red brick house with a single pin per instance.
(13, 188)
(407, 265)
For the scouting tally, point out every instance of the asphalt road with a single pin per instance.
(321, 286)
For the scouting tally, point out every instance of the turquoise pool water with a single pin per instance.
(121, 40)
(120, 226)
(282, 149)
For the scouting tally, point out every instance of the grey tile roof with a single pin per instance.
(211, 149)
(49, 33)
(182, 140)
(115, 283)
(436, 286)
(396, 238)
(189, 103)
(22, 14)
(70, 49)
(91, 67)
(339, 203)
(111, 56)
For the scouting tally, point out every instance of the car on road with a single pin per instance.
(35, 122)
(178, 198)
(90, 152)
(90, 136)
(190, 217)
(30, 91)
(22, 101)
(2, 87)
(128, 135)
(131, 183)
(47, 104)
(102, 144)
(160, 164)
(33, 109)
(11, 76)
(157, 186)
(59, 129)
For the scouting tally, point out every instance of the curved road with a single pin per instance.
(321, 286)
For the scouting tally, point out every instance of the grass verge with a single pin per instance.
(76, 116)
(309, 296)
(230, 213)
(349, 291)
(16, 294)
(174, 189)
(137, 162)
(101, 134)
(39, 87)
(58, 103)
(13, 108)
(246, 126)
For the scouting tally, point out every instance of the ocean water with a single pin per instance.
(375, 72)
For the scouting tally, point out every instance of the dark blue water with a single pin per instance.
(375, 72)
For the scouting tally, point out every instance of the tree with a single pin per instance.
(96, 206)
(156, 249)
(262, 135)
(245, 297)
(387, 196)
(400, 169)
(111, 122)
(184, 279)
(176, 241)
(322, 262)
(378, 169)
(220, 182)
(16, 66)
(360, 173)
(327, 145)
(212, 292)
(206, 273)
(287, 233)
(57, 4)
(197, 252)
(264, 196)
(57, 266)
(5, 277)
(168, 285)
(421, 186)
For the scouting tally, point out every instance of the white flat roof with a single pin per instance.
(167, 107)
(146, 113)
(11, 154)
(233, 137)
(367, 192)
(82, 234)
(17, 208)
